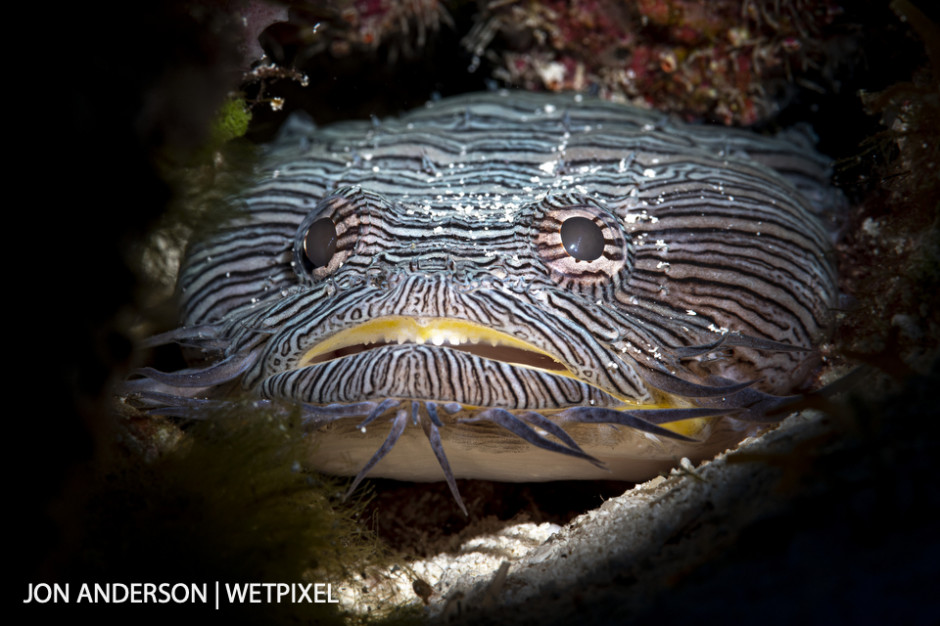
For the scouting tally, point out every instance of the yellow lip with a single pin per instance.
(434, 331)
(455, 332)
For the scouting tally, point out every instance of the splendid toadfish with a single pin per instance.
(513, 286)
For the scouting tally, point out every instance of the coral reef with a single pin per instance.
(729, 60)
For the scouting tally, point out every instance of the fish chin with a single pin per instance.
(480, 449)
(354, 385)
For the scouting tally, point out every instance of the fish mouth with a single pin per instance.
(378, 338)
(455, 334)
(437, 359)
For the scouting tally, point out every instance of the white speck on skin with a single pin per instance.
(548, 167)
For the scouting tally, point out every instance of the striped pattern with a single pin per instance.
(454, 211)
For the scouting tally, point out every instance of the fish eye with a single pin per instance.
(582, 238)
(581, 243)
(329, 234)
(320, 242)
